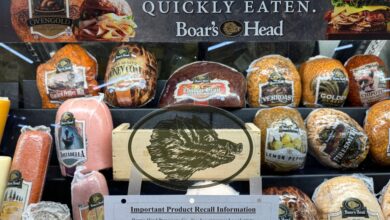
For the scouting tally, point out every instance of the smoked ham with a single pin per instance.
(28, 171)
(70, 73)
(83, 134)
(88, 189)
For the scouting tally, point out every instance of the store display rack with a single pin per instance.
(57, 188)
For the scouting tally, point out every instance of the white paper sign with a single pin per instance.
(179, 207)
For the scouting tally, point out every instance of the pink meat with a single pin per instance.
(84, 185)
(98, 129)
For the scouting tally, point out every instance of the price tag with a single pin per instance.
(191, 207)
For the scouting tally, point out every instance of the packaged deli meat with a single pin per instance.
(384, 200)
(377, 127)
(5, 164)
(283, 138)
(205, 83)
(105, 20)
(347, 197)
(293, 203)
(83, 134)
(5, 105)
(273, 80)
(88, 190)
(46, 211)
(335, 139)
(28, 171)
(70, 73)
(325, 82)
(367, 77)
(45, 21)
(131, 76)
(212, 189)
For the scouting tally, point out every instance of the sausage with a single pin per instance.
(28, 171)
(205, 83)
(70, 73)
(88, 190)
(83, 135)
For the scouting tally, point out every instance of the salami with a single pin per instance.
(28, 171)
(83, 134)
(88, 190)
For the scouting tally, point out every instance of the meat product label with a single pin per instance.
(49, 18)
(72, 141)
(277, 91)
(353, 208)
(286, 145)
(342, 142)
(94, 209)
(16, 196)
(331, 90)
(67, 81)
(388, 145)
(202, 89)
(126, 72)
(284, 213)
(372, 82)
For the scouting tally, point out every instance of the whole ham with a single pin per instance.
(88, 189)
(83, 134)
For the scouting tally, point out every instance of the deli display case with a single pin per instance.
(135, 109)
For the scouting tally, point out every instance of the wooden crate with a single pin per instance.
(122, 163)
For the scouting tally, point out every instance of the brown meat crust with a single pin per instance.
(78, 56)
(134, 97)
(377, 127)
(20, 15)
(299, 204)
(312, 69)
(319, 120)
(260, 74)
(354, 88)
(121, 7)
(236, 81)
(266, 117)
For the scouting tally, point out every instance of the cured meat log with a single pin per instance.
(83, 134)
(88, 190)
(28, 171)
(205, 83)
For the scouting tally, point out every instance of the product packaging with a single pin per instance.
(131, 76)
(283, 138)
(205, 83)
(347, 197)
(5, 164)
(28, 171)
(46, 211)
(4, 109)
(293, 203)
(88, 191)
(70, 73)
(325, 82)
(335, 139)
(273, 80)
(377, 127)
(83, 134)
(367, 76)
